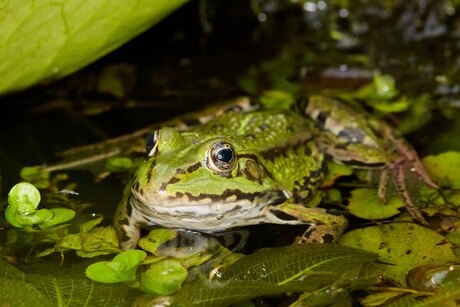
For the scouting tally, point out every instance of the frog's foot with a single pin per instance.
(128, 235)
(324, 227)
(407, 169)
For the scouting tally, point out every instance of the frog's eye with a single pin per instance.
(151, 143)
(221, 158)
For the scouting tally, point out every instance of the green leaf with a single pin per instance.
(60, 215)
(273, 271)
(164, 277)
(440, 168)
(379, 298)
(448, 296)
(119, 164)
(58, 286)
(122, 268)
(365, 203)
(97, 241)
(286, 264)
(50, 39)
(10, 289)
(24, 198)
(402, 245)
(37, 176)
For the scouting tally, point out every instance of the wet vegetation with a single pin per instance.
(398, 60)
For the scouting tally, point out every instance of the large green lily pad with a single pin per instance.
(42, 40)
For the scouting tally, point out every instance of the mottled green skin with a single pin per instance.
(279, 162)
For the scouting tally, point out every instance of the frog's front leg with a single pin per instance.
(324, 227)
(126, 225)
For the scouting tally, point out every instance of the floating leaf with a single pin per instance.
(24, 198)
(440, 168)
(366, 204)
(164, 277)
(48, 39)
(60, 215)
(402, 245)
(122, 268)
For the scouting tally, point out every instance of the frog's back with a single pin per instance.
(281, 141)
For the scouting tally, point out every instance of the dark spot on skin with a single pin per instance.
(129, 208)
(264, 127)
(171, 181)
(303, 104)
(256, 160)
(179, 195)
(282, 215)
(322, 117)
(136, 186)
(235, 108)
(124, 221)
(141, 191)
(424, 257)
(193, 167)
(271, 197)
(408, 252)
(149, 171)
(124, 237)
(382, 245)
(180, 171)
(363, 164)
(352, 135)
(328, 238)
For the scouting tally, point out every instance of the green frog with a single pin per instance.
(249, 163)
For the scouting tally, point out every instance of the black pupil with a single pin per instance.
(150, 142)
(224, 155)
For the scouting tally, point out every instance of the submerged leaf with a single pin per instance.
(58, 288)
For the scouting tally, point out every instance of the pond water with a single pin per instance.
(205, 53)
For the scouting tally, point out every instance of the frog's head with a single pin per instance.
(202, 175)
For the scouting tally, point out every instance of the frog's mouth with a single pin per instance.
(209, 214)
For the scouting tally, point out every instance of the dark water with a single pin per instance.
(187, 62)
